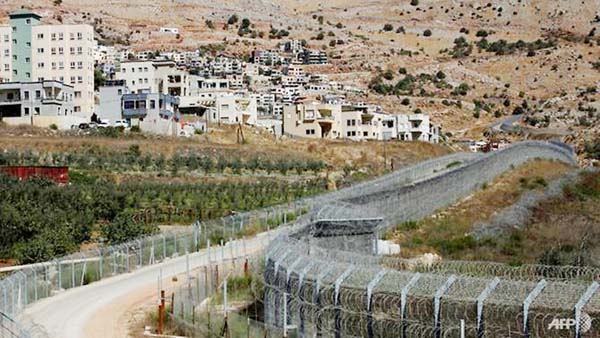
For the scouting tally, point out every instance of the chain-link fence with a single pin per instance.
(317, 284)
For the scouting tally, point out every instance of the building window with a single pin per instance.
(28, 21)
(40, 36)
(119, 91)
(27, 60)
(79, 36)
(36, 110)
(40, 50)
(14, 29)
(53, 36)
(72, 36)
(60, 50)
(77, 109)
(40, 65)
(152, 104)
(53, 65)
(28, 75)
(72, 50)
(79, 79)
(128, 104)
(15, 41)
(26, 95)
(79, 50)
(73, 65)
(61, 65)
(26, 111)
(6, 38)
(53, 51)
(60, 36)
(6, 67)
(72, 79)
(7, 52)
(77, 94)
(10, 96)
(38, 94)
(79, 65)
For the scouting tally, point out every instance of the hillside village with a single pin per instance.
(396, 75)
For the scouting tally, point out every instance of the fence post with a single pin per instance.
(338, 311)
(35, 284)
(72, 273)
(127, 256)
(372, 284)
(581, 303)
(480, 301)
(438, 295)
(164, 238)
(301, 293)
(527, 302)
(403, 296)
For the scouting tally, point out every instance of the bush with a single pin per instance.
(135, 129)
(427, 33)
(414, 2)
(388, 27)
(481, 34)
(53, 126)
(592, 149)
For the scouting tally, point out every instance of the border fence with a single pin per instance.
(316, 288)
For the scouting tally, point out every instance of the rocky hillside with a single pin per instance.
(468, 63)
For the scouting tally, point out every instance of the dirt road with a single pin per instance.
(101, 310)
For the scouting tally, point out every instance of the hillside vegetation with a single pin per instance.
(560, 232)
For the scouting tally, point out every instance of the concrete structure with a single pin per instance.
(47, 98)
(5, 54)
(170, 30)
(154, 76)
(266, 57)
(152, 112)
(313, 57)
(110, 105)
(232, 109)
(353, 122)
(49, 52)
(417, 127)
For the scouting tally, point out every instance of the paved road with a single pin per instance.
(98, 310)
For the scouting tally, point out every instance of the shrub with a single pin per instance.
(481, 34)
(440, 75)
(135, 129)
(414, 2)
(232, 19)
(53, 126)
(427, 33)
(405, 101)
(388, 27)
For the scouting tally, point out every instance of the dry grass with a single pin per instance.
(447, 230)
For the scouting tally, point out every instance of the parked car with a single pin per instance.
(103, 124)
(121, 123)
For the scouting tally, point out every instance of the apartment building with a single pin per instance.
(266, 57)
(29, 99)
(5, 54)
(417, 127)
(313, 57)
(39, 53)
(152, 112)
(163, 77)
(111, 94)
(318, 120)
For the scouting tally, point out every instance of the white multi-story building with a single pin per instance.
(5, 54)
(161, 77)
(38, 52)
(357, 123)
